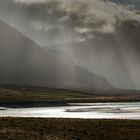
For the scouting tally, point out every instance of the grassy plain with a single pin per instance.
(35, 96)
(68, 129)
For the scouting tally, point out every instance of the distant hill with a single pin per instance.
(23, 62)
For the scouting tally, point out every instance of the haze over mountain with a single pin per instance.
(101, 36)
(119, 52)
(23, 62)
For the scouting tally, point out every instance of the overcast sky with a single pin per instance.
(43, 19)
(68, 23)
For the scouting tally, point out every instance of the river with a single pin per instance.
(121, 110)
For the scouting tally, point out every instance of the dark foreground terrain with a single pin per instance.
(64, 129)
(68, 129)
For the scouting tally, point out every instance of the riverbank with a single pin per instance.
(68, 129)
(11, 96)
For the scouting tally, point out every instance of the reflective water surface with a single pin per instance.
(79, 110)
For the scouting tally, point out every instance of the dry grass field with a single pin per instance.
(68, 129)
(35, 96)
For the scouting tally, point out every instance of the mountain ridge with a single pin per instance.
(23, 62)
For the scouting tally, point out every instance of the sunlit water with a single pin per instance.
(79, 110)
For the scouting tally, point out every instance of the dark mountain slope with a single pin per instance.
(23, 62)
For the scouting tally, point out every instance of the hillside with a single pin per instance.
(23, 62)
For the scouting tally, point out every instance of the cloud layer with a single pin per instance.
(80, 18)
(94, 26)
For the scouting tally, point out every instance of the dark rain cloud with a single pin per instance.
(94, 32)
(53, 18)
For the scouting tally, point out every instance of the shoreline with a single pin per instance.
(29, 104)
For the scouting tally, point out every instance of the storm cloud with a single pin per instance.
(80, 19)
(91, 31)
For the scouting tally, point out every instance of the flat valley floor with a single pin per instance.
(65, 129)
